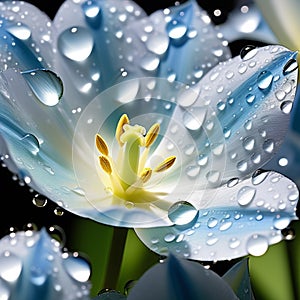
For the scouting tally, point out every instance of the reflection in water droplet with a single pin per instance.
(176, 29)
(248, 52)
(20, 31)
(288, 233)
(245, 195)
(264, 80)
(194, 120)
(76, 43)
(290, 66)
(39, 201)
(45, 84)
(78, 268)
(257, 245)
(182, 213)
(31, 143)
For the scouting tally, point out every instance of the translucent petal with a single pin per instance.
(32, 264)
(238, 118)
(179, 33)
(246, 22)
(233, 221)
(26, 37)
(178, 278)
(92, 51)
(238, 278)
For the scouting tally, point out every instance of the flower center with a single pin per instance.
(128, 174)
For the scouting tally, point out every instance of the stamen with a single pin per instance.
(152, 135)
(146, 175)
(120, 130)
(105, 164)
(101, 145)
(166, 164)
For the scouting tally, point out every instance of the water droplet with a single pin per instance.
(293, 196)
(248, 52)
(245, 195)
(257, 245)
(250, 98)
(211, 241)
(187, 97)
(242, 166)
(45, 84)
(268, 146)
(78, 268)
(202, 160)
(150, 62)
(212, 222)
(259, 176)
(286, 106)
(39, 201)
(288, 233)
(194, 120)
(234, 243)
(20, 31)
(192, 171)
(76, 43)
(221, 105)
(264, 80)
(58, 211)
(249, 143)
(281, 222)
(290, 66)
(57, 233)
(176, 29)
(213, 177)
(92, 13)
(170, 237)
(157, 43)
(11, 267)
(232, 182)
(31, 143)
(225, 225)
(4, 291)
(182, 213)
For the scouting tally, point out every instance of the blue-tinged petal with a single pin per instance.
(26, 36)
(238, 278)
(247, 22)
(176, 279)
(92, 51)
(238, 113)
(32, 266)
(184, 34)
(234, 220)
(283, 19)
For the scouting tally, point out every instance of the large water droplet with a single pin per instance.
(245, 195)
(281, 222)
(257, 245)
(78, 268)
(248, 52)
(182, 213)
(76, 43)
(187, 97)
(10, 267)
(157, 43)
(290, 66)
(264, 80)
(176, 29)
(20, 31)
(45, 84)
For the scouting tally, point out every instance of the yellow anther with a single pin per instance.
(105, 164)
(146, 175)
(119, 130)
(101, 145)
(166, 164)
(152, 135)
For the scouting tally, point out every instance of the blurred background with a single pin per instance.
(274, 276)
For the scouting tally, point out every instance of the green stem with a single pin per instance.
(115, 257)
(290, 255)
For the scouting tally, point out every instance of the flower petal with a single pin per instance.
(238, 278)
(32, 264)
(236, 220)
(176, 279)
(27, 36)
